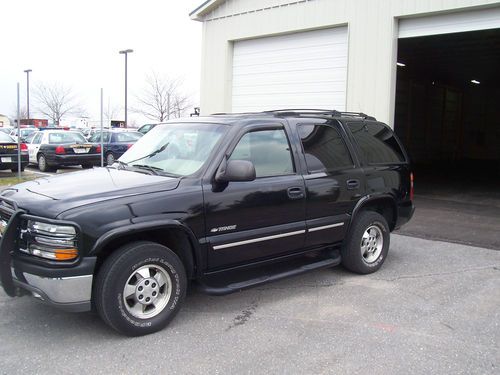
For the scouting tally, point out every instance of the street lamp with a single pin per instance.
(126, 52)
(27, 71)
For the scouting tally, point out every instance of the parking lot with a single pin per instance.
(432, 309)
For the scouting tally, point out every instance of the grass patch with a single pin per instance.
(9, 181)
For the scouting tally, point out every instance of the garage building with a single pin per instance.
(429, 69)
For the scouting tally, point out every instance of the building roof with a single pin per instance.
(204, 8)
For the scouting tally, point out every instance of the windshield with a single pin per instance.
(179, 149)
(66, 137)
(127, 136)
(26, 132)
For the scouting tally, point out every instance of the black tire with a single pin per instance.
(43, 165)
(87, 166)
(368, 258)
(110, 158)
(14, 170)
(116, 273)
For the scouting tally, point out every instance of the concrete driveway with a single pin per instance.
(434, 308)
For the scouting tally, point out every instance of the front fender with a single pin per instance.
(136, 228)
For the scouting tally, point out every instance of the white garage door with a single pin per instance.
(481, 19)
(301, 70)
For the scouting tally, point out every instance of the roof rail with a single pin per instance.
(331, 112)
(357, 114)
(304, 111)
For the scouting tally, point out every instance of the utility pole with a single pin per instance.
(126, 52)
(27, 71)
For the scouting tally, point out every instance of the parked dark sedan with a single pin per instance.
(8, 153)
(116, 142)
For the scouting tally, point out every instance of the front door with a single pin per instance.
(258, 219)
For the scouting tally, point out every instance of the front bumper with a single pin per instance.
(68, 289)
(68, 286)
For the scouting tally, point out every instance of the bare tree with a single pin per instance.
(55, 101)
(162, 98)
(23, 113)
(110, 112)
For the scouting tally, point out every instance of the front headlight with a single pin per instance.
(52, 241)
(48, 229)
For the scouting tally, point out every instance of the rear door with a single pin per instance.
(258, 219)
(334, 182)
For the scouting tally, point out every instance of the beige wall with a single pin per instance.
(373, 30)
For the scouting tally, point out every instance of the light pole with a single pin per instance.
(126, 52)
(27, 71)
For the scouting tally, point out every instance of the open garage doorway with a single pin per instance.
(447, 115)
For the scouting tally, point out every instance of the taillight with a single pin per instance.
(24, 147)
(411, 186)
(98, 149)
(60, 150)
(129, 145)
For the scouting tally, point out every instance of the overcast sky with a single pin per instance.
(76, 43)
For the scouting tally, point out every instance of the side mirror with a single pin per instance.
(235, 170)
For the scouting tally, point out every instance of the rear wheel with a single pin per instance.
(140, 288)
(15, 169)
(367, 243)
(110, 159)
(42, 164)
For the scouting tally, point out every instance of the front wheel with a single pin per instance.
(367, 243)
(140, 288)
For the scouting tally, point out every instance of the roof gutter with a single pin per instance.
(208, 5)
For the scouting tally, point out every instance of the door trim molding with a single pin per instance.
(259, 239)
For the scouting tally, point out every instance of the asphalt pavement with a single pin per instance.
(433, 308)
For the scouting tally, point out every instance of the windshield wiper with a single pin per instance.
(153, 170)
(155, 152)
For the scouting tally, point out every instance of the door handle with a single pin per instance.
(352, 184)
(295, 193)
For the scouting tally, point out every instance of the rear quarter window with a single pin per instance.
(5, 138)
(376, 143)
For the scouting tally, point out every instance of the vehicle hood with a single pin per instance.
(50, 196)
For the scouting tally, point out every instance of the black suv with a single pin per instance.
(229, 201)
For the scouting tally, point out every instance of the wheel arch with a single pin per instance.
(174, 235)
(384, 204)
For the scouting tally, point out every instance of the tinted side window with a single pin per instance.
(268, 150)
(376, 142)
(96, 137)
(324, 148)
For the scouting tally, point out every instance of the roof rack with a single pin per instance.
(331, 112)
(302, 111)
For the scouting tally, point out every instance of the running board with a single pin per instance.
(234, 281)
